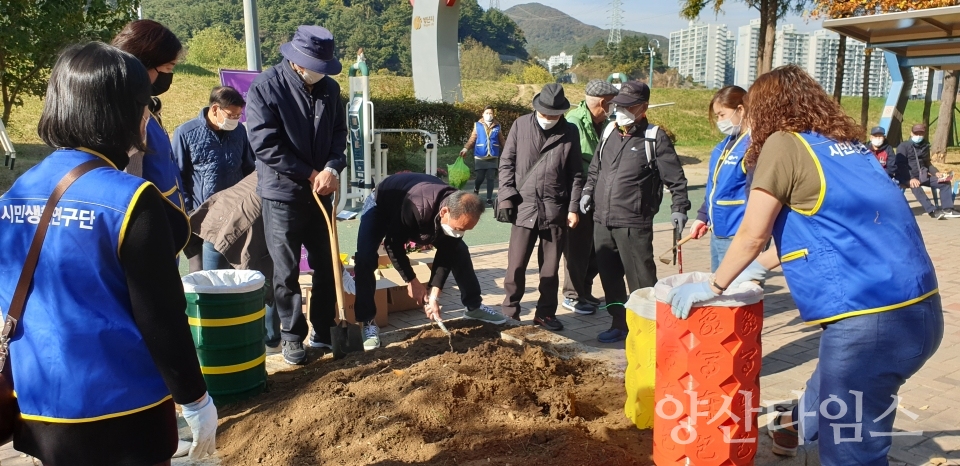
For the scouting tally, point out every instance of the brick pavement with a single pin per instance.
(790, 347)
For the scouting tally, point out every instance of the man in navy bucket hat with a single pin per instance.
(298, 132)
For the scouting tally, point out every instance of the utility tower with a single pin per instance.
(494, 4)
(616, 22)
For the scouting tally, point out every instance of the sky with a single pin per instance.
(654, 16)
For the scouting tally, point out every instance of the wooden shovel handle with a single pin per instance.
(334, 252)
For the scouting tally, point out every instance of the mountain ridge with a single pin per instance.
(552, 31)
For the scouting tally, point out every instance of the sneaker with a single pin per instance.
(936, 214)
(271, 350)
(949, 213)
(316, 342)
(489, 202)
(294, 353)
(371, 336)
(612, 336)
(785, 441)
(485, 313)
(569, 304)
(584, 308)
(549, 323)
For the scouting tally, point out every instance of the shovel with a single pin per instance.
(344, 337)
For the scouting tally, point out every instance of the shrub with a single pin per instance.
(215, 48)
(478, 61)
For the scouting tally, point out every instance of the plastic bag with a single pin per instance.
(459, 173)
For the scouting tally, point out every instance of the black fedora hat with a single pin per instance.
(312, 47)
(551, 101)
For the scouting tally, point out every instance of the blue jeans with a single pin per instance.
(213, 260)
(864, 360)
(718, 249)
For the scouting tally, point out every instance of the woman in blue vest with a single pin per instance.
(833, 215)
(486, 142)
(726, 194)
(103, 350)
(158, 49)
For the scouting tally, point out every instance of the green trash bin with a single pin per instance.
(225, 310)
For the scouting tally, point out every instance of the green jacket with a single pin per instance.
(589, 139)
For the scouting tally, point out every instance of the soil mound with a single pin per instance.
(432, 400)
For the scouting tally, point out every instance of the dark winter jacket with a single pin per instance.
(918, 156)
(210, 161)
(886, 156)
(410, 204)
(626, 189)
(294, 132)
(553, 189)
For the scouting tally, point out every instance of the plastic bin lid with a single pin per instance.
(745, 294)
(223, 281)
(643, 303)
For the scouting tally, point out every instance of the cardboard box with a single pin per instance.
(398, 299)
(424, 258)
(349, 300)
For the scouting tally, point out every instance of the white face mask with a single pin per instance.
(451, 232)
(228, 124)
(877, 142)
(310, 77)
(488, 118)
(727, 127)
(916, 139)
(625, 117)
(545, 123)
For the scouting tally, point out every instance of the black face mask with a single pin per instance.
(162, 84)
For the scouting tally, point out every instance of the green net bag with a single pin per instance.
(459, 173)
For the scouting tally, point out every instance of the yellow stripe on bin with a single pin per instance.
(220, 370)
(196, 322)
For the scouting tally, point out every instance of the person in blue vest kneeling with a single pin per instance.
(726, 194)
(102, 349)
(879, 308)
(487, 143)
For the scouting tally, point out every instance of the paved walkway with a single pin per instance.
(790, 347)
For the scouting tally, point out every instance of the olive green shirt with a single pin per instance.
(787, 171)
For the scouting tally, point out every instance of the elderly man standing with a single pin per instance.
(540, 183)
(625, 185)
(298, 132)
(590, 118)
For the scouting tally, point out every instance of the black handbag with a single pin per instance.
(9, 408)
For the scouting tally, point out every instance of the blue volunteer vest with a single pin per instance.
(159, 167)
(837, 257)
(726, 192)
(488, 144)
(77, 355)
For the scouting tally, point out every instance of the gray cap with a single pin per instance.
(601, 88)
(878, 130)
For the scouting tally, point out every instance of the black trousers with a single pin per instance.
(490, 174)
(624, 251)
(522, 241)
(580, 260)
(451, 256)
(287, 226)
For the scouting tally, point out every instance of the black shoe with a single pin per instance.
(584, 308)
(549, 323)
(294, 353)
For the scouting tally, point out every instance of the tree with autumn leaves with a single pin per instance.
(833, 9)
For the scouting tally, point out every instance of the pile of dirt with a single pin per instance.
(417, 402)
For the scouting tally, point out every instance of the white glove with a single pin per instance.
(349, 285)
(201, 416)
(753, 272)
